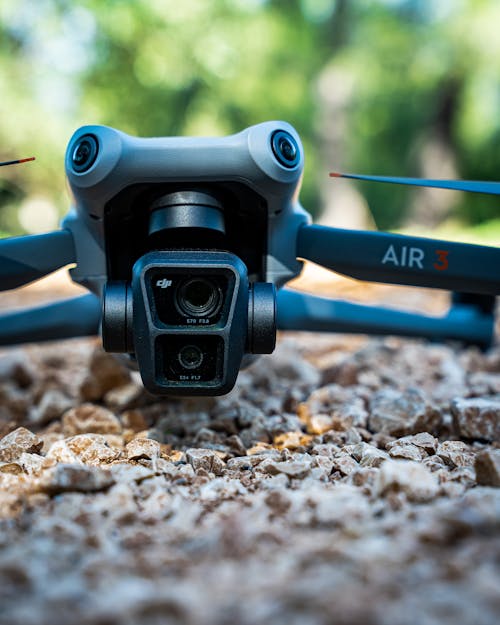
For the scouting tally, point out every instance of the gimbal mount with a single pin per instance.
(185, 245)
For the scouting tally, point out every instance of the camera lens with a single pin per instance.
(84, 153)
(198, 297)
(285, 148)
(190, 357)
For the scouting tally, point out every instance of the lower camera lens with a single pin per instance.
(198, 297)
(190, 357)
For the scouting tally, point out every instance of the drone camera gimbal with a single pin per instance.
(186, 245)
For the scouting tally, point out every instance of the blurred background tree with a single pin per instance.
(404, 87)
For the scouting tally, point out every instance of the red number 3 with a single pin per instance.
(442, 263)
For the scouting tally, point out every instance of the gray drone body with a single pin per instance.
(242, 162)
(185, 240)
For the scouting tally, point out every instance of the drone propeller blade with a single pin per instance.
(70, 318)
(401, 259)
(490, 188)
(17, 161)
(302, 311)
(27, 258)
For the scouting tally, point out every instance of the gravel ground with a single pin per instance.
(345, 480)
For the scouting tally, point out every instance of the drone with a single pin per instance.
(186, 246)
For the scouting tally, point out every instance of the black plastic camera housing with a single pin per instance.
(192, 315)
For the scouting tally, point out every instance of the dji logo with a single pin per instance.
(164, 283)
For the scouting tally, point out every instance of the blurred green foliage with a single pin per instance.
(418, 70)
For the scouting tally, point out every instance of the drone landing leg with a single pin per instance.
(301, 311)
(28, 258)
(70, 318)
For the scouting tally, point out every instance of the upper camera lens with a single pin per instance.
(198, 297)
(285, 148)
(84, 153)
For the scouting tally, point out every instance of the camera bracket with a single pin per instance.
(189, 313)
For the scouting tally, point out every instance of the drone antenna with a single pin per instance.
(473, 186)
(19, 160)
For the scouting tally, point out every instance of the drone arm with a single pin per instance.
(401, 259)
(471, 186)
(69, 318)
(301, 311)
(28, 258)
